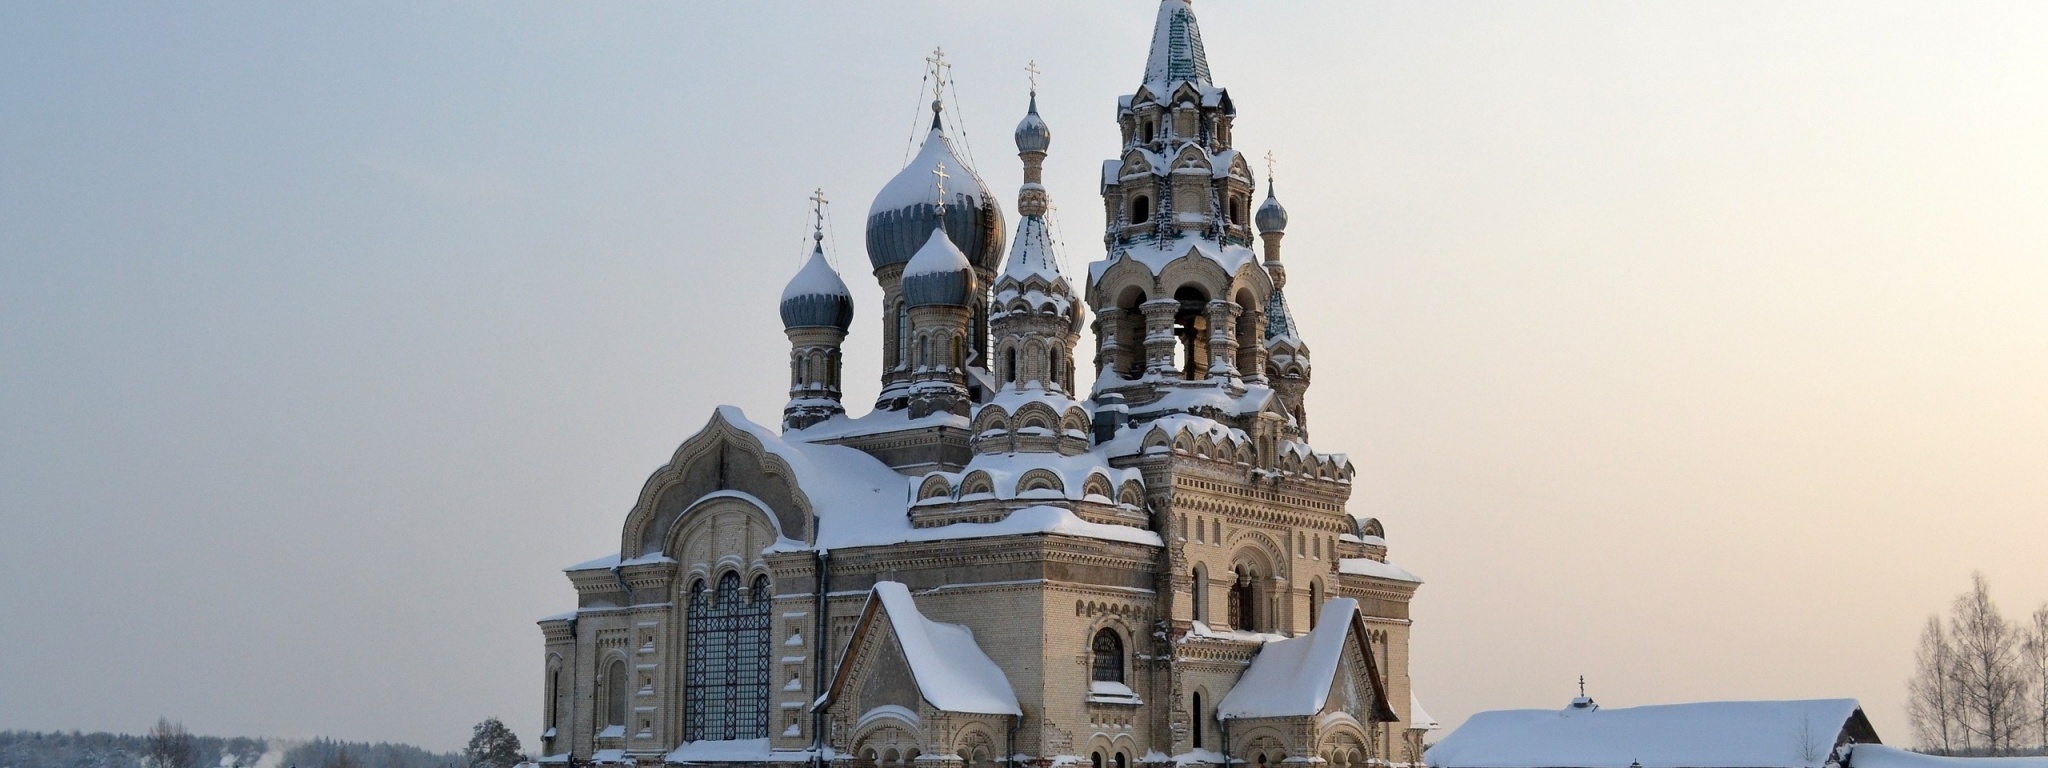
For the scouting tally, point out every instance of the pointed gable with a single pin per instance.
(950, 671)
(1296, 677)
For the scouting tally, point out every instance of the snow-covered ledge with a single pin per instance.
(1105, 692)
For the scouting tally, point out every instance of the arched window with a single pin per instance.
(1146, 136)
(1095, 760)
(615, 693)
(902, 350)
(1123, 760)
(1053, 373)
(554, 720)
(726, 695)
(924, 351)
(1141, 209)
(1109, 656)
(1198, 720)
(1200, 601)
(1244, 601)
(1010, 365)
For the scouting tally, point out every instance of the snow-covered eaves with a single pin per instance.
(735, 751)
(1292, 677)
(1155, 255)
(951, 671)
(1418, 718)
(1881, 756)
(1365, 566)
(1709, 734)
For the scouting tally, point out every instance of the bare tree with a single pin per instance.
(2034, 666)
(1931, 700)
(1987, 669)
(170, 746)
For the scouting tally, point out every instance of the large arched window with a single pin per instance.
(1109, 656)
(726, 696)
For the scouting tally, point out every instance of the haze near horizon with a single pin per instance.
(1700, 350)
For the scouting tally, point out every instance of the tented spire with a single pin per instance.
(1176, 49)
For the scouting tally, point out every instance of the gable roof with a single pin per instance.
(952, 672)
(1291, 677)
(1708, 734)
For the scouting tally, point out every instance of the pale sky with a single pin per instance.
(1698, 349)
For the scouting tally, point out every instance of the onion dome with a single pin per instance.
(816, 297)
(1271, 217)
(1032, 135)
(938, 275)
(906, 209)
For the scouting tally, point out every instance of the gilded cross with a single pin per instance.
(1269, 167)
(941, 173)
(1032, 68)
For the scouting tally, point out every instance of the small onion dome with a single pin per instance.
(907, 208)
(1271, 217)
(1032, 135)
(939, 275)
(816, 297)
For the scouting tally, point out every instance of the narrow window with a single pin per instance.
(902, 334)
(924, 351)
(1315, 603)
(1109, 656)
(1200, 600)
(615, 693)
(1198, 719)
(1010, 365)
(1141, 209)
(1122, 760)
(1095, 759)
(1054, 372)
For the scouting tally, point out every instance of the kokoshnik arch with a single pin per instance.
(991, 566)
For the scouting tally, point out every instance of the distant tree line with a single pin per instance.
(1980, 680)
(169, 745)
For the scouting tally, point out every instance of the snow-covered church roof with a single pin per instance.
(1708, 734)
(1881, 756)
(1177, 54)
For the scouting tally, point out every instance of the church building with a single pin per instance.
(992, 565)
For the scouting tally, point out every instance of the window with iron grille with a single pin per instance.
(1109, 657)
(725, 694)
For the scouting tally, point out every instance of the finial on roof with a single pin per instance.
(940, 70)
(1032, 68)
(818, 217)
(941, 173)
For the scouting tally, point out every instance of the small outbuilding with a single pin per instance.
(1709, 734)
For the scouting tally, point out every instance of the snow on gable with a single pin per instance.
(1418, 718)
(951, 671)
(1294, 677)
(1711, 734)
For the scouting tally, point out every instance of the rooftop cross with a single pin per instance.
(1032, 68)
(1582, 686)
(1269, 167)
(940, 70)
(941, 173)
(818, 202)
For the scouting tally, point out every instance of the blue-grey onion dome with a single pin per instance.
(906, 209)
(1032, 135)
(816, 297)
(1271, 217)
(938, 275)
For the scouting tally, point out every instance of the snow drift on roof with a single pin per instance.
(951, 670)
(1710, 734)
(1419, 719)
(1366, 566)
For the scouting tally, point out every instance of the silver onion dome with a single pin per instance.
(1032, 134)
(907, 209)
(938, 275)
(816, 297)
(1271, 217)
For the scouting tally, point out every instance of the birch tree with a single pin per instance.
(1931, 701)
(1987, 669)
